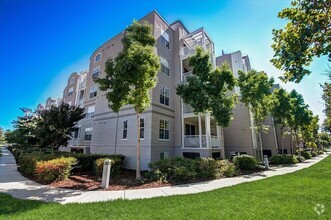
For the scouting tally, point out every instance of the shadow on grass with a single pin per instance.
(10, 205)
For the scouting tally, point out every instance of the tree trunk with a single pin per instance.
(261, 148)
(138, 148)
(282, 141)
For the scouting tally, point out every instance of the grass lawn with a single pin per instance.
(292, 196)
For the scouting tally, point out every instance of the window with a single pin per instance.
(81, 94)
(70, 91)
(125, 129)
(142, 128)
(93, 91)
(88, 134)
(164, 38)
(72, 80)
(75, 133)
(96, 72)
(90, 111)
(189, 129)
(164, 66)
(164, 95)
(164, 129)
(164, 155)
(97, 57)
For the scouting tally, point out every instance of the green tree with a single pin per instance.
(255, 92)
(326, 96)
(324, 140)
(207, 89)
(25, 129)
(55, 125)
(132, 74)
(306, 35)
(299, 116)
(309, 129)
(281, 110)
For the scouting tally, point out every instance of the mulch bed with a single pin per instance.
(126, 180)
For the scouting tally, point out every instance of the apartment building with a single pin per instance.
(168, 127)
(240, 137)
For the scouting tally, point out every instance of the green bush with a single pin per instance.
(184, 169)
(227, 168)
(314, 153)
(305, 154)
(115, 166)
(283, 159)
(85, 162)
(245, 162)
(54, 170)
(27, 162)
(301, 158)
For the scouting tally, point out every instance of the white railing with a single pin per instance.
(82, 85)
(185, 75)
(73, 142)
(215, 142)
(193, 141)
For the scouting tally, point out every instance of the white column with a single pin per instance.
(200, 131)
(207, 127)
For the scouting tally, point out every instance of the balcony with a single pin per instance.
(73, 142)
(193, 141)
(186, 75)
(82, 84)
(197, 38)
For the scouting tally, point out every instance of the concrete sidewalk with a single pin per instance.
(13, 183)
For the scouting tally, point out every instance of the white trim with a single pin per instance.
(168, 122)
(95, 61)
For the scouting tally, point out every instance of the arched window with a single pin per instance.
(97, 57)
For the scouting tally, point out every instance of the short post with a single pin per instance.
(106, 173)
(266, 162)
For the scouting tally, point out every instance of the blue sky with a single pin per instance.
(43, 42)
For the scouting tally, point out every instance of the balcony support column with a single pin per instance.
(200, 131)
(207, 127)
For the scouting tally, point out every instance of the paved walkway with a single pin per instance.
(13, 183)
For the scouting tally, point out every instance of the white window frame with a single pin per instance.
(125, 128)
(72, 80)
(163, 93)
(94, 89)
(165, 37)
(90, 130)
(166, 128)
(70, 91)
(96, 71)
(96, 56)
(90, 111)
(164, 62)
(142, 118)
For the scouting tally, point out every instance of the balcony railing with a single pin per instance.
(82, 85)
(193, 141)
(186, 75)
(73, 142)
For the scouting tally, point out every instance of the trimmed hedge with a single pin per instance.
(54, 170)
(115, 166)
(85, 162)
(314, 153)
(245, 162)
(305, 154)
(283, 159)
(181, 169)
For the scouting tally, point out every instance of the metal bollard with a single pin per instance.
(266, 162)
(106, 174)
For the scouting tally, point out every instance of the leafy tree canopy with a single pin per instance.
(207, 89)
(281, 109)
(255, 92)
(306, 35)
